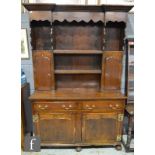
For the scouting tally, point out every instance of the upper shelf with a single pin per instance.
(87, 8)
(77, 51)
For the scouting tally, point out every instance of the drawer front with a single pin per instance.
(50, 106)
(103, 105)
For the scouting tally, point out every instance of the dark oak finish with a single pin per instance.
(112, 70)
(41, 16)
(41, 35)
(77, 51)
(92, 8)
(62, 126)
(78, 16)
(78, 35)
(77, 58)
(43, 70)
(99, 127)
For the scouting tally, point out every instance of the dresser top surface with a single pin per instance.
(75, 95)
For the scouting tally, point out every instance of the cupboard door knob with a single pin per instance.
(49, 74)
(110, 106)
(87, 105)
(70, 105)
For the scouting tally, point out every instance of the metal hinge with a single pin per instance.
(35, 118)
(118, 138)
(120, 117)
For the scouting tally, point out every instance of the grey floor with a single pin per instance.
(85, 151)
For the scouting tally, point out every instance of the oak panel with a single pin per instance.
(99, 127)
(57, 128)
(43, 71)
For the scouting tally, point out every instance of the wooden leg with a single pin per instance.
(118, 147)
(78, 149)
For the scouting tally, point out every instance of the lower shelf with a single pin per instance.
(95, 71)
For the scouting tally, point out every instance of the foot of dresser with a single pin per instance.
(78, 149)
(118, 147)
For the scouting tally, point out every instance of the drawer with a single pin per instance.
(100, 105)
(48, 106)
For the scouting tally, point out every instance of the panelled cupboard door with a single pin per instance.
(43, 72)
(99, 128)
(55, 128)
(111, 70)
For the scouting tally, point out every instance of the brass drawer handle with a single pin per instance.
(67, 108)
(93, 106)
(43, 107)
(89, 108)
(63, 106)
(116, 105)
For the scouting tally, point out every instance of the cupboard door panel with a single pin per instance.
(111, 70)
(99, 127)
(56, 128)
(43, 72)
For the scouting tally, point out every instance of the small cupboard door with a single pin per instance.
(111, 70)
(100, 127)
(43, 71)
(55, 127)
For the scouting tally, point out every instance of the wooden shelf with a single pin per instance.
(77, 51)
(95, 71)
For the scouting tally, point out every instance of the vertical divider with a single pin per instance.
(52, 55)
(103, 49)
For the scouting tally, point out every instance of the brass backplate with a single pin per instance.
(35, 118)
(120, 117)
(118, 138)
